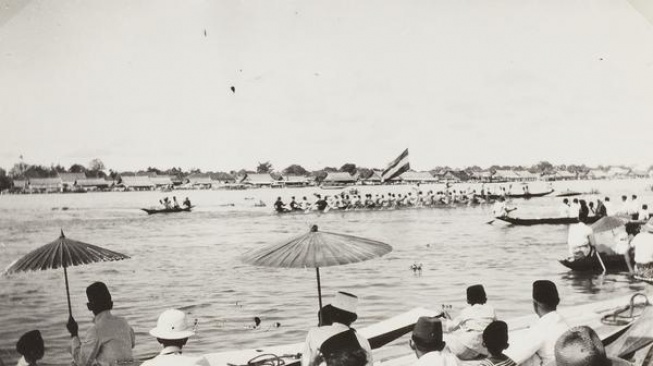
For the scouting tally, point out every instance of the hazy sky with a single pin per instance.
(325, 82)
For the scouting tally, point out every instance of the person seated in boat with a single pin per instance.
(495, 339)
(428, 344)
(321, 204)
(622, 209)
(601, 210)
(343, 314)
(633, 208)
(643, 244)
(574, 208)
(581, 346)
(580, 239)
(465, 332)
(609, 209)
(369, 201)
(565, 210)
(343, 349)
(279, 206)
(501, 209)
(166, 203)
(30, 346)
(643, 213)
(590, 206)
(305, 205)
(172, 332)
(536, 345)
(187, 203)
(294, 206)
(175, 204)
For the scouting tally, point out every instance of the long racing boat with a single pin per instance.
(152, 211)
(544, 221)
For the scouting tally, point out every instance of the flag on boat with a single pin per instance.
(396, 167)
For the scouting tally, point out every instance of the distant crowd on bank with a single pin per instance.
(475, 334)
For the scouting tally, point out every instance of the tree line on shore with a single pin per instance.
(96, 169)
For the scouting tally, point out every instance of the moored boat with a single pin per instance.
(152, 211)
(605, 317)
(568, 193)
(544, 221)
(520, 195)
(613, 263)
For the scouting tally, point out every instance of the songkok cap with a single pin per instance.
(172, 325)
(428, 332)
(580, 346)
(30, 343)
(344, 341)
(545, 292)
(476, 294)
(98, 293)
(345, 301)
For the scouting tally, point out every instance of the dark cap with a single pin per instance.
(344, 341)
(98, 293)
(476, 295)
(495, 336)
(30, 344)
(545, 292)
(428, 332)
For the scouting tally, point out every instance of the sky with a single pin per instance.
(141, 83)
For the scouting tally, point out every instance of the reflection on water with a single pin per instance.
(190, 261)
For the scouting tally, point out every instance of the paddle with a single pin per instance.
(596, 252)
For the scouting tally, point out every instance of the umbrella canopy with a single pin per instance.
(317, 249)
(63, 252)
(608, 223)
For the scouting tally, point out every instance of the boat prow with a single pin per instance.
(613, 263)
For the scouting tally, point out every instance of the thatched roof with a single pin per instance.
(71, 177)
(340, 177)
(258, 178)
(418, 177)
(94, 182)
(139, 181)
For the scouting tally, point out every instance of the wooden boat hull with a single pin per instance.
(524, 195)
(153, 211)
(545, 221)
(613, 263)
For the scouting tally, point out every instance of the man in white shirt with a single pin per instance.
(643, 244)
(172, 331)
(574, 209)
(580, 239)
(428, 345)
(609, 209)
(564, 208)
(343, 314)
(537, 346)
(633, 207)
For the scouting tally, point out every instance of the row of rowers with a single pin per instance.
(475, 334)
(389, 200)
(631, 208)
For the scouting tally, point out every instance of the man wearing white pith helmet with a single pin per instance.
(342, 311)
(172, 331)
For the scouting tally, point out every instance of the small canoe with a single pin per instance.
(521, 195)
(545, 221)
(152, 211)
(568, 193)
(613, 263)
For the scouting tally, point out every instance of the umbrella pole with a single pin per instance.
(319, 292)
(65, 274)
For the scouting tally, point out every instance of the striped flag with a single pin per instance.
(396, 167)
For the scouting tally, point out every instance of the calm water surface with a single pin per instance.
(190, 261)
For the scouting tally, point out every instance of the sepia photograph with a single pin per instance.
(326, 182)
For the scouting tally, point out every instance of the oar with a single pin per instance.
(600, 259)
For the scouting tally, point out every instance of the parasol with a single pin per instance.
(317, 249)
(608, 223)
(63, 252)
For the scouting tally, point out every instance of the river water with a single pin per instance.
(190, 261)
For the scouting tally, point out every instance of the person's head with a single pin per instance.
(591, 204)
(343, 349)
(624, 198)
(581, 346)
(427, 336)
(172, 329)
(607, 199)
(565, 201)
(495, 337)
(476, 295)
(278, 198)
(575, 201)
(30, 345)
(645, 207)
(545, 297)
(293, 198)
(634, 197)
(99, 298)
(344, 307)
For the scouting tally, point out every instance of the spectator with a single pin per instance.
(30, 346)
(428, 344)
(495, 339)
(581, 346)
(172, 332)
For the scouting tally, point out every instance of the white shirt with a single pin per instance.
(609, 210)
(643, 244)
(438, 358)
(537, 345)
(574, 210)
(171, 356)
(475, 317)
(564, 210)
(633, 207)
(579, 235)
(499, 209)
(643, 215)
(317, 336)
